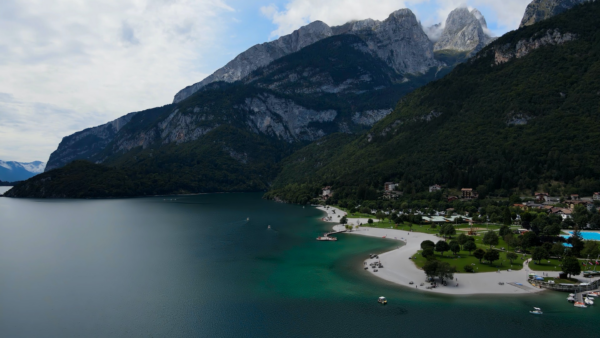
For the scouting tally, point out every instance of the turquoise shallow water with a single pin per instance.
(194, 267)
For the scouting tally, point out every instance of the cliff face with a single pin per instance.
(539, 10)
(86, 143)
(464, 31)
(507, 52)
(399, 41)
(261, 55)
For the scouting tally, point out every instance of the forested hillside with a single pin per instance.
(523, 113)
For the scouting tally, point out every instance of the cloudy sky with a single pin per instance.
(66, 65)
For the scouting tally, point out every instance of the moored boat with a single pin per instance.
(326, 238)
(536, 311)
(588, 301)
(580, 304)
(382, 300)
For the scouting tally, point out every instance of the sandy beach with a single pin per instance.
(399, 269)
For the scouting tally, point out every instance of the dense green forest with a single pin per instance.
(530, 123)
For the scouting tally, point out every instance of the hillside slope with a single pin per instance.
(523, 112)
(232, 137)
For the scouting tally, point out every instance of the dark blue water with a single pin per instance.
(194, 267)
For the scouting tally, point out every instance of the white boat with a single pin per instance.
(571, 299)
(593, 294)
(382, 300)
(326, 238)
(579, 304)
(588, 301)
(536, 311)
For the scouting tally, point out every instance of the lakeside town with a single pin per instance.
(523, 244)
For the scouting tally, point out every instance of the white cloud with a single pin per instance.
(68, 64)
(296, 13)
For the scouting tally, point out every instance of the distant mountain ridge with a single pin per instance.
(539, 10)
(12, 171)
(399, 40)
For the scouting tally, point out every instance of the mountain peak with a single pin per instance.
(539, 10)
(464, 31)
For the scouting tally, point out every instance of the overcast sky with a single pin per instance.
(66, 65)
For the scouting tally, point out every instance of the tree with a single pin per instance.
(570, 265)
(479, 253)
(552, 230)
(590, 248)
(504, 230)
(509, 239)
(370, 221)
(344, 220)
(427, 253)
(470, 246)
(427, 244)
(380, 215)
(447, 230)
(557, 250)
(506, 219)
(444, 270)
(454, 247)
(539, 253)
(490, 238)
(462, 239)
(491, 255)
(430, 268)
(442, 246)
(511, 256)
(577, 244)
(529, 239)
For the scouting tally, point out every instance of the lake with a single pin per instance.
(193, 266)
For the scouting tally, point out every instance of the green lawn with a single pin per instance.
(554, 265)
(466, 259)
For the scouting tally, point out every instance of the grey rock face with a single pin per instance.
(539, 10)
(507, 52)
(399, 40)
(261, 55)
(86, 143)
(464, 31)
(370, 117)
(285, 119)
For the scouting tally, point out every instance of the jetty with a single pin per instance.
(326, 237)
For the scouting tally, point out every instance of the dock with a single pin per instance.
(326, 237)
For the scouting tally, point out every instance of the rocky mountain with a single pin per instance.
(399, 41)
(539, 10)
(86, 143)
(11, 171)
(538, 126)
(464, 31)
(232, 136)
(261, 55)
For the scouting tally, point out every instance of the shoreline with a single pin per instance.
(401, 270)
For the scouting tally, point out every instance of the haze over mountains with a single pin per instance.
(11, 171)
(231, 131)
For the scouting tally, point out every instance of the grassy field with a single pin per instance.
(463, 258)
(551, 264)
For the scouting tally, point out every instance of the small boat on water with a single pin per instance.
(571, 299)
(268, 227)
(326, 238)
(588, 301)
(382, 300)
(593, 294)
(536, 311)
(580, 304)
